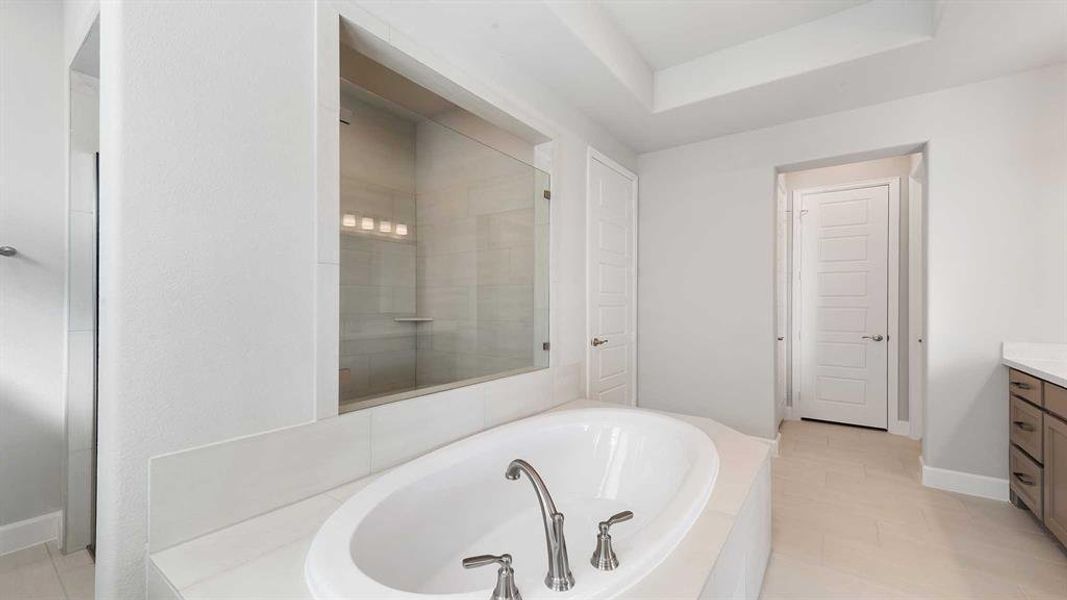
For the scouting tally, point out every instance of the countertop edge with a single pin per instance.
(1032, 366)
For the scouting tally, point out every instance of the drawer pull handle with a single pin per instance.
(1024, 478)
(1021, 385)
(1024, 426)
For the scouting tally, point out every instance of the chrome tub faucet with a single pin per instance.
(559, 577)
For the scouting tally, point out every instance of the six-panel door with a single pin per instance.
(845, 306)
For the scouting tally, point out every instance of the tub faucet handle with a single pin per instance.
(505, 576)
(604, 556)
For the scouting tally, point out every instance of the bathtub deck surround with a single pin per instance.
(724, 550)
(462, 501)
(198, 491)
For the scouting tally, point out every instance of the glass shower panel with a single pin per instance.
(377, 251)
(444, 258)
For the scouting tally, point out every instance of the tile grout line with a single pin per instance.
(55, 569)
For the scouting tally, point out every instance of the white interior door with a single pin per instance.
(844, 295)
(612, 348)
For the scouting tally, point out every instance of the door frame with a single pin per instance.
(591, 155)
(893, 423)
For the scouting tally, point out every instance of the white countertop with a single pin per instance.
(264, 557)
(1044, 361)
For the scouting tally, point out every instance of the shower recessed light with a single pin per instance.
(385, 226)
(348, 220)
(367, 224)
(401, 229)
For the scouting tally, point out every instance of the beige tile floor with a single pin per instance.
(42, 572)
(852, 520)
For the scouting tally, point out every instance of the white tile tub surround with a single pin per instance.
(403, 430)
(1044, 361)
(723, 555)
(197, 491)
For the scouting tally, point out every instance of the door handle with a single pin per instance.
(1024, 478)
(597, 341)
(1027, 427)
(8, 251)
(876, 337)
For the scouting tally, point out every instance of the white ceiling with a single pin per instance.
(863, 54)
(670, 32)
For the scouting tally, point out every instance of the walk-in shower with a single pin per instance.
(444, 243)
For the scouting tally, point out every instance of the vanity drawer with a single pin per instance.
(1024, 386)
(1026, 480)
(1026, 427)
(1056, 400)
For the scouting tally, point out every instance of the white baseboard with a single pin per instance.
(772, 443)
(965, 483)
(23, 534)
(900, 428)
(791, 414)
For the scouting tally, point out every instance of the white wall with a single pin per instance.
(33, 220)
(207, 243)
(706, 289)
(78, 17)
(997, 264)
(209, 257)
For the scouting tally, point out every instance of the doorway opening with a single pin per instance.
(83, 167)
(850, 291)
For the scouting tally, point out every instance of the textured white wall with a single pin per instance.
(207, 243)
(997, 265)
(33, 220)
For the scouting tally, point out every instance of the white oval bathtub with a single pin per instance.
(404, 535)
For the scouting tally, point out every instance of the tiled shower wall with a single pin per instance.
(468, 261)
(476, 258)
(377, 274)
(81, 309)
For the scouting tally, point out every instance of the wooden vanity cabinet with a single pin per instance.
(1038, 449)
(1055, 501)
